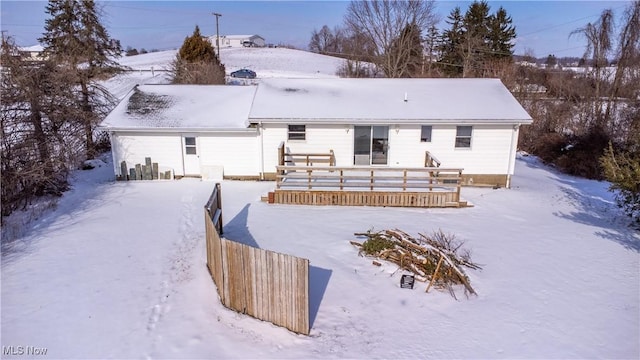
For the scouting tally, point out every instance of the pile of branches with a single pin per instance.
(438, 259)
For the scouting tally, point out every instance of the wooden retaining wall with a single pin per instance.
(264, 284)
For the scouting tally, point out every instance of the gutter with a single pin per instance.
(370, 121)
(261, 134)
(177, 130)
(512, 156)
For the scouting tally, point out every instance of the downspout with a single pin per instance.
(512, 155)
(261, 132)
(113, 154)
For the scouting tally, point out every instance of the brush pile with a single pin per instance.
(438, 258)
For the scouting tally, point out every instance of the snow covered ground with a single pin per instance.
(117, 270)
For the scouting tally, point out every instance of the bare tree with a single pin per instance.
(627, 73)
(322, 41)
(598, 36)
(383, 22)
(39, 143)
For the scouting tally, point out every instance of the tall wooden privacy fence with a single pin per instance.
(264, 284)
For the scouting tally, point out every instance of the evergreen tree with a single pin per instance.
(501, 35)
(474, 41)
(75, 39)
(451, 44)
(407, 52)
(195, 48)
(475, 49)
(432, 49)
(623, 171)
(197, 62)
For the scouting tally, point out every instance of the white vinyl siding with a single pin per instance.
(319, 139)
(165, 149)
(236, 153)
(490, 153)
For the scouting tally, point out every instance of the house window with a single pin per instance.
(190, 145)
(425, 133)
(463, 136)
(297, 132)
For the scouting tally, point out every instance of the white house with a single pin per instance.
(192, 130)
(235, 131)
(32, 53)
(238, 40)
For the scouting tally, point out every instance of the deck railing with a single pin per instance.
(430, 160)
(373, 178)
(308, 159)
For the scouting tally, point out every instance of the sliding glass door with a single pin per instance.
(371, 145)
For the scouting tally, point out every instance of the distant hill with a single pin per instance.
(266, 62)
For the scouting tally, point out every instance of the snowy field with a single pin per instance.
(117, 270)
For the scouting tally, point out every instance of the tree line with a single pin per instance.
(52, 105)
(586, 123)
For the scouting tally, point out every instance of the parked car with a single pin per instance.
(244, 73)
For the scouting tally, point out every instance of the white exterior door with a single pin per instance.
(190, 155)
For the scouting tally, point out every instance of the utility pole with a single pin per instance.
(217, 15)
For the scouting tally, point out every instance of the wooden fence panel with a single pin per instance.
(264, 284)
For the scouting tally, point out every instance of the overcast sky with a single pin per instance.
(542, 26)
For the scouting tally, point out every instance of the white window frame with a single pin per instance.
(463, 137)
(422, 130)
(298, 135)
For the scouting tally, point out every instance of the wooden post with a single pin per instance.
(341, 179)
(132, 174)
(281, 156)
(309, 178)
(143, 169)
(332, 159)
(167, 174)
(123, 170)
(404, 180)
(371, 181)
(138, 172)
(147, 173)
(219, 205)
(459, 184)
(154, 171)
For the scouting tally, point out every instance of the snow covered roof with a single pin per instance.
(384, 100)
(211, 107)
(337, 101)
(240, 37)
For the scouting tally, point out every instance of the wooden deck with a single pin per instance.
(368, 186)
